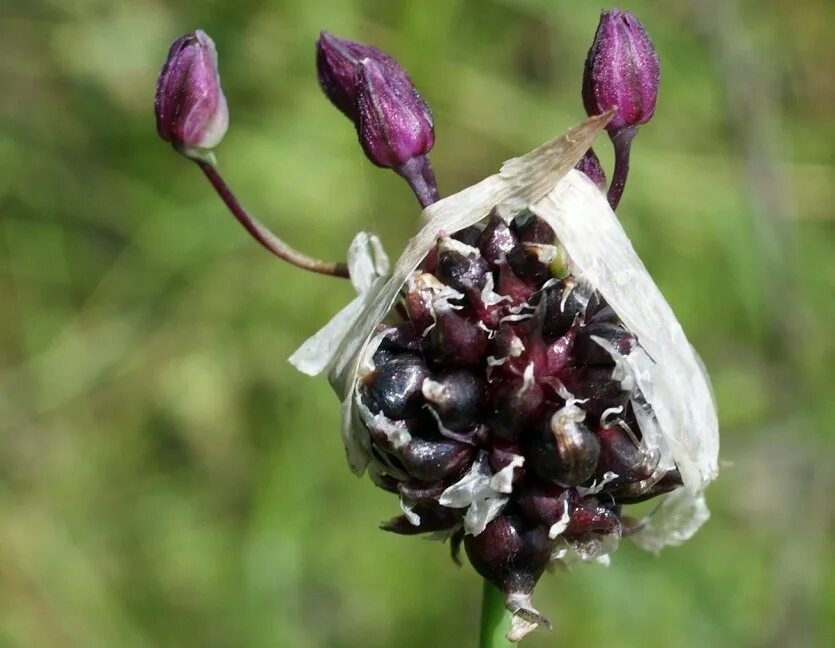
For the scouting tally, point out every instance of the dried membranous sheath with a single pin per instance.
(517, 378)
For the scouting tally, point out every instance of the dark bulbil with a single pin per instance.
(510, 553)
(590, 165)
(395, 386)
(393, 122)
(519, 373)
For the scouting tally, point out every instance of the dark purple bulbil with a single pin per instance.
(394, 124)
(528, 382)
(590, 165)
(622, 70)
(189, 104)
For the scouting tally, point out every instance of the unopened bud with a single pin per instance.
(590, 165)
(394, 124)
(394, 388)
(336, 64)
(190, 107)
(622, 71)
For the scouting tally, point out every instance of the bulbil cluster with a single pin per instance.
(494, 394)
(497, 355)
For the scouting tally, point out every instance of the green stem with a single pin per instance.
(495, 619)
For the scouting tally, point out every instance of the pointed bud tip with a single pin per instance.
(189, 104)
(622, 70)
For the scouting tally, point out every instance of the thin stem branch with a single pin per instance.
(263, 235)
(495, 619)
(622, 142)
(418, 173)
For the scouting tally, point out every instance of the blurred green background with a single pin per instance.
(167, 479)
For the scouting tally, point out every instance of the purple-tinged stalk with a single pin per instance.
(393, 122)
(192, 114)
(622, 71)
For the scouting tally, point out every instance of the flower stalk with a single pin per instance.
(495, 619)
(261, 233)
(622, 143)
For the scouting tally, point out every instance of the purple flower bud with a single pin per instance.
(622, 70)
(394, 124)
(189, 104)
(590, 165)
(336, 63)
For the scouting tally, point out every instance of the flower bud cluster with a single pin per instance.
(494, 402)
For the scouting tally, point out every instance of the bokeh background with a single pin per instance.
(166, 479)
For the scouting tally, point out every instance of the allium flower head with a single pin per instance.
(190, 107)
(517, 379)
(622, 70)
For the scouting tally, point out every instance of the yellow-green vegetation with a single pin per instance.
(167, 479)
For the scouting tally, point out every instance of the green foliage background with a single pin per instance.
(166, 479)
